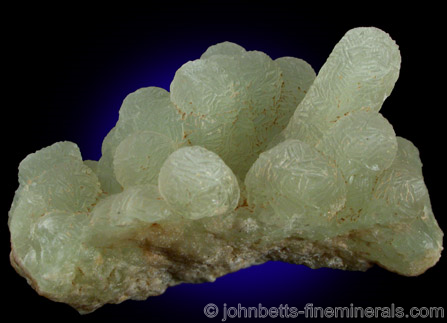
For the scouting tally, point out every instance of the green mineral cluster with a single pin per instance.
(245, 160)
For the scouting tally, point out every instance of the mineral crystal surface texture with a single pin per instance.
(246, 159)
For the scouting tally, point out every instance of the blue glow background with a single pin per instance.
(72, 67)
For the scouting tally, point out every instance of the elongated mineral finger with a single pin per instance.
(360, 73)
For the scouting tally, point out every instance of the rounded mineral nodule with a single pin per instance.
(196, 183)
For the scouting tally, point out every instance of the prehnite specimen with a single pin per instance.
(246, 160)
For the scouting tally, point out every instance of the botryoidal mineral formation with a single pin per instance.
(246, 160)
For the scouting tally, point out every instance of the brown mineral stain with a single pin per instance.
(244, 204)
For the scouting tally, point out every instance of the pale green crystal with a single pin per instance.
(196, 183)
(57, 191)
(298, 183)
(248, 159)
(146, 109)
(124, 215)
(359, 74)
(362, 144)
(224, 48)
(139, 157)
(230, 94)
(298, 76)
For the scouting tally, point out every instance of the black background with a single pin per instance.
(67, 69)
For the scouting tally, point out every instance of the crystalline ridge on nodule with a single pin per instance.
(245, 160)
